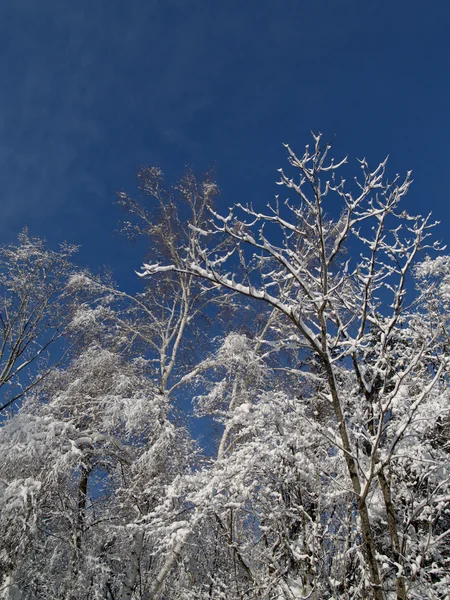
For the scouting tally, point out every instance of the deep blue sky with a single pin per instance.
(92, 89)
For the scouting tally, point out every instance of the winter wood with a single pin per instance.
(310, 334)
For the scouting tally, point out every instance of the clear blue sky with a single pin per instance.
(92, 89)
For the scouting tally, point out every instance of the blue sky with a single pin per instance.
(91, 90)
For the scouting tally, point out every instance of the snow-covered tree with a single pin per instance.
(35, 308)
(73, 457)
(157, 328)
(312, 338)
(335, 263)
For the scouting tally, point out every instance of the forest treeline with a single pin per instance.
(267, 419)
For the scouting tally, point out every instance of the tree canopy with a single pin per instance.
(309, 334)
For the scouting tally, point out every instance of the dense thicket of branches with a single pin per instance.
(310, 335)
(35, 310)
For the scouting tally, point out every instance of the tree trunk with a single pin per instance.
(81, 508)
(395, 543)
(366, 528)
(79, 523)
(133, 567)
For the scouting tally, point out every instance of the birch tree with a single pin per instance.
(161, 326)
